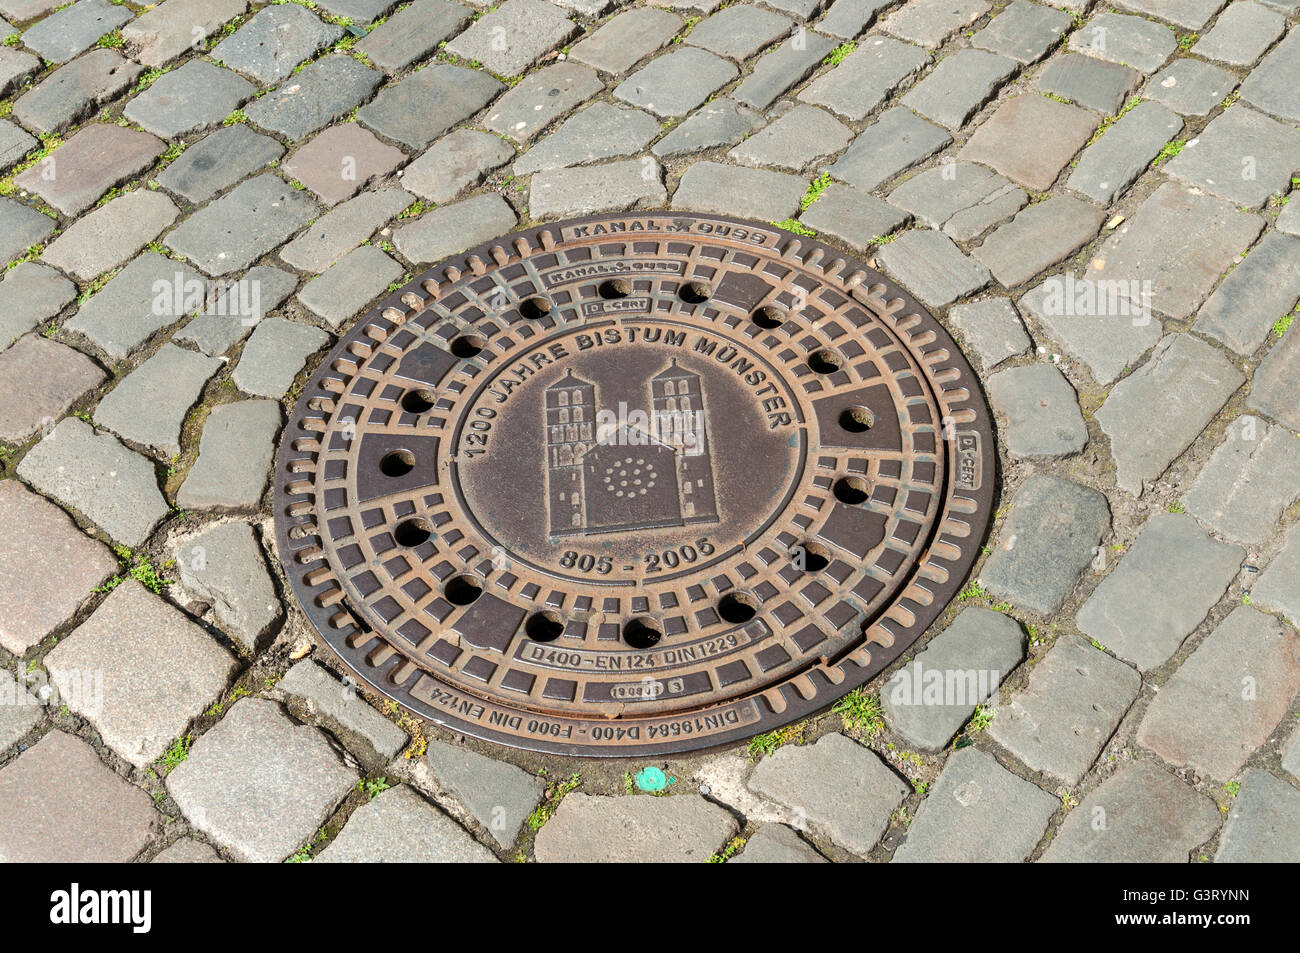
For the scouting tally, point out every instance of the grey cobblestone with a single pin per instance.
(865, 77)
(71, 93)
(933, 267)
(852, 216)
(1113, 163)
(1227, 698)
(740, 31)
(1278, 589)
(783, 67)
(412, 33)
(541, 98)
(1190, 87)
(1141, 611)
(1244, 307)
(274, 355)
(1274, 85)
(349, 284)
(675, 83)
(960, 198)
(1188, 14)
(978, 643)
(169, 29)
(1011, 141)
(452, 228)
(1262, 823)
(160, 671)
(234, 461)
(124, 313)
(23, 227)
(930, 22)
(514, 35)
(74, 29)
(894, 143)
(590, 829)
(1130, 41)
(232, 317)
(398, 826)
(1043, 420)
(195, 96)
(456, 162)
(95, 159)
(778, 844)
(222, 566)
(278, 38)
(1044, 234)
(1241, 156)
(1089, 82)
(328, 89)
(1155, 413)
(20, 713)
(1148, 816)
(423, 106)
(93, 473)
(15, 144)
(258, 784)
(1242, 34)
(627, 39)
(1023, 31)
(992, 330)
(847, 19)
(727, 190)
(344, 711)
(218, 161)
(977, 812)
(839, 786)
(958, 86)
(111, 235)
(799, 138)
(346, 226)
(241, 226)
(585, 190)
(1275, 390)
(148, 407)
(500, 796)
(601, 131)
(1075, 699)
(1046, 543)
(719, 123)
(1249, 480)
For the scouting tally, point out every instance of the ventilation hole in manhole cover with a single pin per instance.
(633, 484)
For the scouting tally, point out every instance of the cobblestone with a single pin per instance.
(94, 160)
(169, 29)
(1075, 699)
(195, 96)
(852, 216)
(960, 198)
(218, 161)
(149, 406)
(346, 226)
(839, 786)
(1188, 14)
(1044, 234)
(222, 566)
(1241, 35)
(29, 294)
(540, 99)
(453, 228)
(49, 566)
(627, 39)
(412, 33)
(565, 193)
(187, 850)
(20, 713)
(39, 380)
(326, 90)
(977, 812)
(128, 309)
(234, 457)
(1046, 543)
(341, 160)
(71, 93)
(1244, 307)
(933, 267)
(591, 829)
(498, 795)
(74, 29)
(274, 41)
(726, 190)
(675, 83)
(1276, 385)
(1262, 822)
(1227, 698)
(1251, 478)
(958, 86)
(349, 285)
(848, 18)
(1043, 420)
(930, 22)
(514, 35)
(1130, 41)
(1190, 87)
(1141, 612)
(232, 317)
(1241, 156)
(398, 826)
(1113, 163)
(274, 355)
(159, 669)
(24, 227)
(423, 106)
(15, 144)
(1023, 31)
(719, 123)
(992, 329)
(1155, 413)
(1011, 142)
(1278, 589)
(601, 131)
(777, 844)
(975, 653)
(258, 784)
(241, 226)
(111, 235)
(60, 804)
(1089, 82)
(894, 143)
(801, 137)
(781, 68)
(1148, 816)
(865, 78)
(344, 711)
(1274, 85)
(738, 32)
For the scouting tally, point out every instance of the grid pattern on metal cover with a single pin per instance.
(633, 484)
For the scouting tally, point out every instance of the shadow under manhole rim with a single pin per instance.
(633, 484)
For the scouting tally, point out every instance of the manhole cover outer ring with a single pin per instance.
(953, 543)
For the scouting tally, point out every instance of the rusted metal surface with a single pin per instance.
(634, 484)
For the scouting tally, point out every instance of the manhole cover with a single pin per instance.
(633, 484)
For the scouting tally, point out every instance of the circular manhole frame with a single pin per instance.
(679, 646)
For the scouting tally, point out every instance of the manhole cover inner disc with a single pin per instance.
(634, 484)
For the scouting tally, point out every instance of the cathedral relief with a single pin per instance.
(606, 473)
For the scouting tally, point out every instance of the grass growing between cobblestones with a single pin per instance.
(555, 793)
(860, 713)
(137, 566)
(766, 743)
(724, 855)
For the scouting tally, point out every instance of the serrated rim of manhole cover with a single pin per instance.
(633, 484)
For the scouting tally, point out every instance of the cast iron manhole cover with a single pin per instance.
(633, 484)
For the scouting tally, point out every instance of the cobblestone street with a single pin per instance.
(1099, 201)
